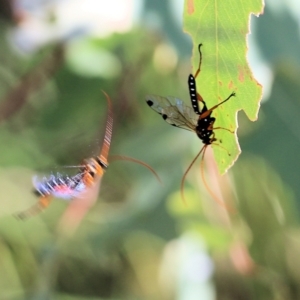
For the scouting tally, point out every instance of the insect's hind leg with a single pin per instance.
(206, 113)
(200, 99)
(213, 141)
(214, 107)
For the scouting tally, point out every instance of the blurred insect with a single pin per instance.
(70, 187)
(196, 119)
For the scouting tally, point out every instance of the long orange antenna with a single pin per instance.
(108, 132)
(123, 157)
(213, 195)
(186, 172)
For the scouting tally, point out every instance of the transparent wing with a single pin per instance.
(174, 111)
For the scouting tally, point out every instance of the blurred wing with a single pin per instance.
(108, 132)
(174, 111)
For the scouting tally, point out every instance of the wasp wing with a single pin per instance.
(174, 111)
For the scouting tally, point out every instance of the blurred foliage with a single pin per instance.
(139, 241)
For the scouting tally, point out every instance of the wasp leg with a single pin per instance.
(206, 113)
(222, 128)
(43, 203)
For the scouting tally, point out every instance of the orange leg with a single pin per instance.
(42, 203)
(205, 114)
(199, 98)
(210, 127)
(215, 128)
(215, 144)
(213, 139)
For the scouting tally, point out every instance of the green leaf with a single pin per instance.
(222, 27)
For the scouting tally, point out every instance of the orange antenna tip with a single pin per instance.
(123, 157)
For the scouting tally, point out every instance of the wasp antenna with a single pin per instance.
(107, 97)
(213, 195)
(186, 172)
(123, 157)
(200, 60)
(220, 202)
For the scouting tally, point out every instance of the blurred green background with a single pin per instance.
(139, 241)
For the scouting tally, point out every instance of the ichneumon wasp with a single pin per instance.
(90, 171)
(196, 118)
